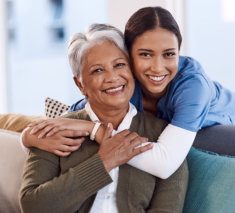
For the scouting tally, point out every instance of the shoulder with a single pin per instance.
(191, 77)
(78, 105)
(191, 92)
(190, 68)
(81, 114)
(148, 126)
(186, 62)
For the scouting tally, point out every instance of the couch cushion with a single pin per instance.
(12, 160)
(211, 183)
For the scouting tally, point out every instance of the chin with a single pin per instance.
(118, 104)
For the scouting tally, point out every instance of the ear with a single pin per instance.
(79, 85)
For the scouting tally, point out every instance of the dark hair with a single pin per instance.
(148, 18)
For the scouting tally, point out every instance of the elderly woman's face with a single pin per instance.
(106, 77)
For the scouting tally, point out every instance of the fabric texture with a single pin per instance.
(12, 160)
(80, 175)
(211, 183)
(54, 108)
(17, 122)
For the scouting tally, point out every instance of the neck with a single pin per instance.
(150, 101)
(114, 116)
(150, 105)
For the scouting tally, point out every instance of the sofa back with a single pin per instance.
(12, 159)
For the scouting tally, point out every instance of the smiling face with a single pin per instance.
(155, 56)
(107, 80)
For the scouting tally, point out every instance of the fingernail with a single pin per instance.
(87, 133)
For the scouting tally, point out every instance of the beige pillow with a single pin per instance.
(12, 159)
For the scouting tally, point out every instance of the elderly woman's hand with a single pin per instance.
(119, 149)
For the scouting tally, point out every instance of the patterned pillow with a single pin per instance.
(54, 108)
(211, 186)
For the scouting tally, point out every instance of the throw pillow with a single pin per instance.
(211, 183)
(54, 108)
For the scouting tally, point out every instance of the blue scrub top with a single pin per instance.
(192, 100)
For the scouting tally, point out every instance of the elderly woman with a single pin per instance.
(96, 178)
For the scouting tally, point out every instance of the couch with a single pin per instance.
(211, 186)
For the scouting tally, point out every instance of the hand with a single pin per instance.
(119, 149)
(51, 126)
(61, 143)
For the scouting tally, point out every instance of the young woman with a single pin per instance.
(96, 178)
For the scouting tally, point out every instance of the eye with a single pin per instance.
(97, 70)
(119, 65)
(145, 54)
(170, 54)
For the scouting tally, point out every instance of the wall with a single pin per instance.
(120, 11)
(211, 38)
(3, 59)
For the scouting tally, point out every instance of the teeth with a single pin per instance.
(114, 90)
(157, 78)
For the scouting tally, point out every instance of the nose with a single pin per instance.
(157, 65)
(112, 75)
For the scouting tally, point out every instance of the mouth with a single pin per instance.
(114, 90)
(157, 79)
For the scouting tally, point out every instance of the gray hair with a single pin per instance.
(80, 43)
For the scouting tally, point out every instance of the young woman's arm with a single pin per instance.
(167, 154)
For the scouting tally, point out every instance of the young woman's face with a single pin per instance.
(106, 77)
(155, 56)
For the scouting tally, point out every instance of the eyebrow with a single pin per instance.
(149, 50)
(94, 65)
(119, 59)
(169, 49)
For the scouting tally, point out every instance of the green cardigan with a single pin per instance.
(69, 184)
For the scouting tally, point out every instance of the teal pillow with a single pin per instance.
(211, 186)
